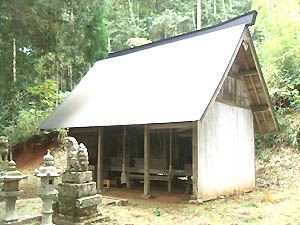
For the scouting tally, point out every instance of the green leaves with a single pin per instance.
(155, 20)
(277, 39)
(57, 41)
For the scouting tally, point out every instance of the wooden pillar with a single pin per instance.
(170, 165)
(195, 159)
(125, 174)
(165, 144)
(146, 194)
(100, 160)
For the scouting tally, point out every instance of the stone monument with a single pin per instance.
(77, 194)
(47, 191)
(10, 192)
(3, 158)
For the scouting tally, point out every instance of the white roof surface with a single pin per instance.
(174, 82)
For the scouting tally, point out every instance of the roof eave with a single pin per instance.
(260, 74)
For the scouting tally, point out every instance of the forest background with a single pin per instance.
(46, 47)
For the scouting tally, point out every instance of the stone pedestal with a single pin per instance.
(10, 214)
(47, 208)
(78, 199)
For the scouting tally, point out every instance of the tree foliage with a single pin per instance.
(56, 43)
(155, 20)
(58, 40)
(277, 39)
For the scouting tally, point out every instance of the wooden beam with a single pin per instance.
(146, 194)
(259, 102)
(251, 103)
(255, 91)
(228, 102)
(235, 76)
(250, 72)
(84, 130)
(260, 108)
(195, 159)
(100, 160)
(170, 125)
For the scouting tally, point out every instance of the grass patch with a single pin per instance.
(250, 204)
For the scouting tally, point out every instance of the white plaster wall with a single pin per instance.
(225, 151)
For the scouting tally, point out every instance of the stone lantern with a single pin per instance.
(10, 192)
(47, 191)
(3, 158)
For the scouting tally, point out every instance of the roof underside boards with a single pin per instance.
(249, 69)
(174, 82)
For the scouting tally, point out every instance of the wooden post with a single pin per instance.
(195, 159)
(170, 164)
(100, 160)
(165, 144)
(146, 194)
(123, 174)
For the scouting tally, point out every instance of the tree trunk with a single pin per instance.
(224, 7)
(156, 6)
(230, 5)
(292, 7)
(57, 80)
(193, 17)
(71, 76)
(268, 5)
(14, 61)
(199, 22)
(131, 13)
(215, 7)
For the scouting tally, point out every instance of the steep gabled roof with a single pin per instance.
(173, 80)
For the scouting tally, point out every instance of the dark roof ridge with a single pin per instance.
(247, 19)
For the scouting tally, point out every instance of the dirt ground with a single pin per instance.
(276, 200)
(262, 206)
(158, 191)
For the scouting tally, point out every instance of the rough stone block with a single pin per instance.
(83, 220)
(88, 201)
(72, 211)
(77, 190)
(77, 177)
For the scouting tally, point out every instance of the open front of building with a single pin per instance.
(192, 155)
(189, 118)
(166, 148)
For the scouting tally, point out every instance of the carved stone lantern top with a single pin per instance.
(12, 174)
(48, 170)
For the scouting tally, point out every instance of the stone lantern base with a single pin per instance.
(78, 201)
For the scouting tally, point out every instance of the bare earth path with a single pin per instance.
(276, 201)
(259, 207)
